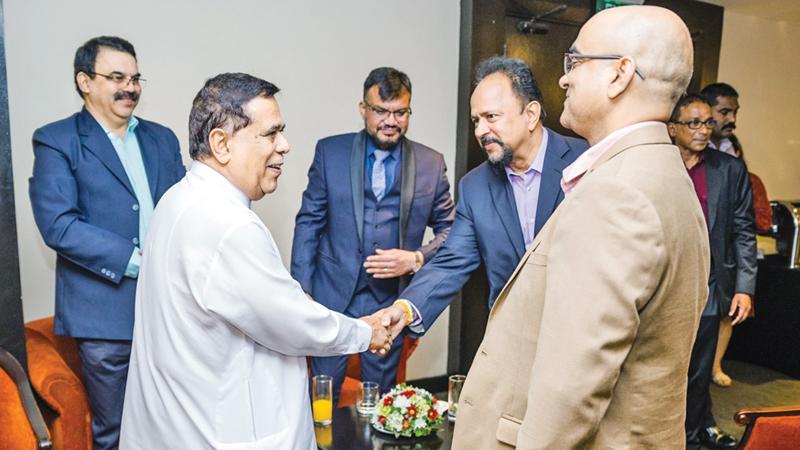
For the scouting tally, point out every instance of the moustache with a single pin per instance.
(389, 127)
(486, 140)
(126, 96)
(730, 126)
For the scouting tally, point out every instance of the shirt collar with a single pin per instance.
(593, 153)
(725, 145)
(133, 122)
(538, 162)
(700, 160)
(724, 142)
(210, 175)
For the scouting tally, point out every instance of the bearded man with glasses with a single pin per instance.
(723, 188)
(97, 176)
(358, 235)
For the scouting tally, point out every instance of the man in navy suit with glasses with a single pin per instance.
(97, 176)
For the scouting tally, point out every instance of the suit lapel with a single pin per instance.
(357, 180)
(534, 245)
(149, 149)
(407, 188)
(503, 199)
(550, 186)
(95, 140)
(713, 186)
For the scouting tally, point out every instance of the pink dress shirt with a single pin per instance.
(573, 173)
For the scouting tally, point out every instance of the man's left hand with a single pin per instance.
(741, 304)
(391, 263)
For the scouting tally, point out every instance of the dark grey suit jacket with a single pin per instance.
(731, 229)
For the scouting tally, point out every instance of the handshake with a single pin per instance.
(386, 324)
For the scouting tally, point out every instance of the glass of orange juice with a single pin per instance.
(324, 436)
(322, 399)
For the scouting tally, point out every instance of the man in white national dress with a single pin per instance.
(221, 329)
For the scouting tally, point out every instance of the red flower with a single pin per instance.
(406, 424)
(388, 400)
(412, 411)
(382, 420)
(433, 414)
(408, 393)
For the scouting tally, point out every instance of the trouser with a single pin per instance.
(105, 371)
(376, 368)
(698, 395)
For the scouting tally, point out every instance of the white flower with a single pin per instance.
(419, 422)
(395, 422)
(402, 402)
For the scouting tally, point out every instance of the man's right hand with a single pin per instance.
(381, 341)
(394, 317)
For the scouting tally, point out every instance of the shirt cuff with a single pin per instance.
(416, 325)
(134, 263)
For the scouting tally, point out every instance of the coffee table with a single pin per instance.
(349, 431)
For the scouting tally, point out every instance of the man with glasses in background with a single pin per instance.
(97, 176)
(358, 235)
(722, 185)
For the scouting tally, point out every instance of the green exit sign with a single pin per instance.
(605, 4)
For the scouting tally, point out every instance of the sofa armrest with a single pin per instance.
(63, 392)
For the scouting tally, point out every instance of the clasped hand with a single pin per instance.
(386, 324)
(381, 341)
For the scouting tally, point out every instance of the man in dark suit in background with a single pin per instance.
(97, 176)
(503, 202)
(358, 235)
(724, 101)
(723, 188)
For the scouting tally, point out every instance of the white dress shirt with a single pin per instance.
(222, 330)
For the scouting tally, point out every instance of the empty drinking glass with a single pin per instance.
(368, 396)
(454, 385)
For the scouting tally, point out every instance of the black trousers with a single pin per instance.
(105, 372)
(698, 395)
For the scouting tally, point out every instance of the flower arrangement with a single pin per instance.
(408, 411)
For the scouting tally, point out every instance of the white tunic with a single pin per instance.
(222, 330)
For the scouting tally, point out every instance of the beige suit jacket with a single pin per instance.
(588, 344)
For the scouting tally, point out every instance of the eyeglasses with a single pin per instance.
(572, 59)
(399, 114)
(695, 124)
(122, 79)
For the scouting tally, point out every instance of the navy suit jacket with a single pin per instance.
(487, 230)
(327, 252)
(731, 230)
(86, 210)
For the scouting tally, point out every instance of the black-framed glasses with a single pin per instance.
(121, 79)
(695, 124)
(573, 59)
(399, 114)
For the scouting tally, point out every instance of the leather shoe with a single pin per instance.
(713, 437)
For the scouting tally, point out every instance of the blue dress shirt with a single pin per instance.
(130, 155)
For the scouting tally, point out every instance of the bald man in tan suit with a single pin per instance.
(588, 344)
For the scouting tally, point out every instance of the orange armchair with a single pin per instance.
(55, 373)
(351, 383)
(770, 428)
